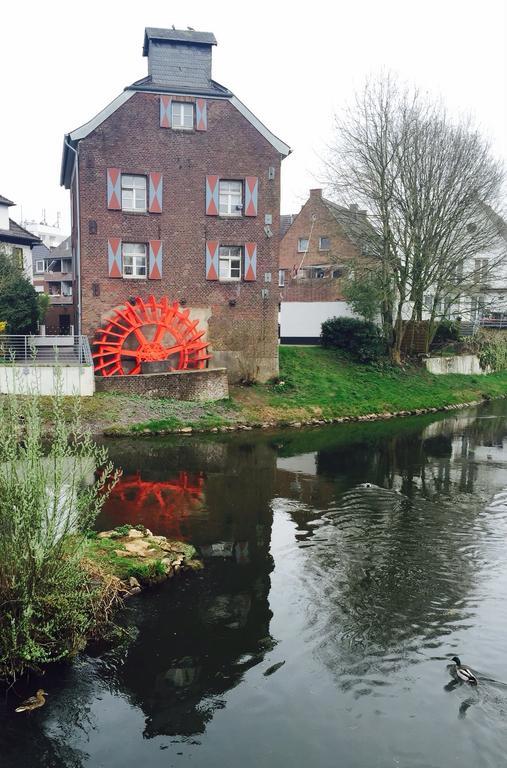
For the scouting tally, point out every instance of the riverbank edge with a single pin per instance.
(132, 558)
(135, 431)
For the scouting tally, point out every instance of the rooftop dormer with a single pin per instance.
(179, 58)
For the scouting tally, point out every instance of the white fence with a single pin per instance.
(45, 365)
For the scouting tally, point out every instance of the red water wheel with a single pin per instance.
(148, 331)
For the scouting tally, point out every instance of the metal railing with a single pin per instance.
(44, 350)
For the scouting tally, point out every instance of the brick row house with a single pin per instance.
(53, 273)
(175, 193)
(317, 247)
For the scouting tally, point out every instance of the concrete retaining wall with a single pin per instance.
(465, 364)
(206, 385)
(43, 379)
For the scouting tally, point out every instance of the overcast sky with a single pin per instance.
(293, 65)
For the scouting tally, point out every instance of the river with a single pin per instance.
(345, 565)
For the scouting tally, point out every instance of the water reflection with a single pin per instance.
(387, 544)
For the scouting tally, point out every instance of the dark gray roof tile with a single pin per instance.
(17, 234)
(177, 36)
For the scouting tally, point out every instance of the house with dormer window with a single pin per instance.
(15, 240)
(175, 193)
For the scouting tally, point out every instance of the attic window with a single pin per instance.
(324, 244)
(303, 243)
(182, 116)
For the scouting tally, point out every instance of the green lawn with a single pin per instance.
(313, 383)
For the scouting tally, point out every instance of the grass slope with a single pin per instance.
(313, 383)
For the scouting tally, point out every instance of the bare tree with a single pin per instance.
(429, 184)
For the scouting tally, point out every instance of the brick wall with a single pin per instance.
(341, 250)
(243, 336)
(207, 385)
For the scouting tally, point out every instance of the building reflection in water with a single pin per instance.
(386, 525)
(197, 638)
(163, 506)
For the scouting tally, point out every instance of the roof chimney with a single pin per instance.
(179, 58)
(315, 193)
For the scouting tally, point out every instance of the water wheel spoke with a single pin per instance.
(150, 323)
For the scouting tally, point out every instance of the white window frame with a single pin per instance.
(69, 288)
(136, 184)
(321, 247)
(230, 197)
(281, 278)
(481, 270)
(182, 115)
(136, 253)
(303, 248)
(226, 256)
(39, 271)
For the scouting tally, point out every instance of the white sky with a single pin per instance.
(294, 65)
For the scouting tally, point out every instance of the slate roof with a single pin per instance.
(17, 234)
(498, 221)
(62, 251)
(354, 222)
(286, 220)
(40, 251)
(147, 84)
(5, 201)
(177, 36)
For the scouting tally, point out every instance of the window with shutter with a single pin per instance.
(155, 272)
(212, 250)
(165, 111)
(114, 260)
(212, 185)
(250, 262)
(155, 193)
(201, 115)
(251, 195)
(114, 189)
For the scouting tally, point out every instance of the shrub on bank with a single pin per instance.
(447, 331)
(360, 338)
(51, 601)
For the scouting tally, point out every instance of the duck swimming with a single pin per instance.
(463, 673)
(34, 702)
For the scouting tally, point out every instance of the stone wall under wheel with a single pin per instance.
(200, 385)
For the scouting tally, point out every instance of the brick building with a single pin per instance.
(53, 273)
(175, 192)
(317, 246)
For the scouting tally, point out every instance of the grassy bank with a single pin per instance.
(314, 383)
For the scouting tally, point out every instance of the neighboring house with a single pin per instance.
(50, 234)
(178, 196)
(484, 284)
(53, 274)
(317, 245)
(15, 239)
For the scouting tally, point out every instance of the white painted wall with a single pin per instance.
(4, 216)
(304, 318)
(465, 364)
(42, 379)
(27, 257)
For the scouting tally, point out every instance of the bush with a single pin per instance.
(360, 338)
(19, 306)
(491, 349)
(447, 331)
(52, 602)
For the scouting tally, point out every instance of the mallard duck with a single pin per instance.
(34, 702)
(463, 673)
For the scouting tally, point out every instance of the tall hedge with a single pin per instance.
(359, 338)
